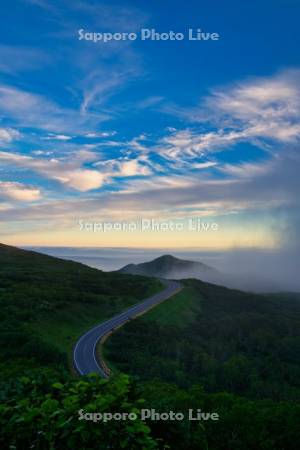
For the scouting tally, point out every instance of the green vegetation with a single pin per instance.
(226, 340)
(219, 350)
(208, 348)
(182, 310)
(243, 425)
(45, 413)
(47, 303)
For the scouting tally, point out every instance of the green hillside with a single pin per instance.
(225, 339)
(47, 303)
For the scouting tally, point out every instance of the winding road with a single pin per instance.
(84, 354)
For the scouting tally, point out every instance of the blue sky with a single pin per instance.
(160, 129)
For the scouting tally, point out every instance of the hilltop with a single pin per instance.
(168, 266)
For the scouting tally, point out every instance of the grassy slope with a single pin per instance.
(197, 297)
(225, 339)
(57, 300)
(179, 310)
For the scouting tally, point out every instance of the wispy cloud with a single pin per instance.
(18, 191)
(71, 171)
(66, 171)
(33, 110)
(57, 137)
(275, 185)
(102, 134)
(18, 59)
(149, 102)
(257, 111)
(123, 167)
(90, 79)
(9, 134)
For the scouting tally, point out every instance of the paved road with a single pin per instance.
(84, 355)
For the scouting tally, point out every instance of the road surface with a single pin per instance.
(84, 355)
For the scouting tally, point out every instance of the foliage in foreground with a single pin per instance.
(40, 412)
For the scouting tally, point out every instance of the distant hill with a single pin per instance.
(167, 266)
